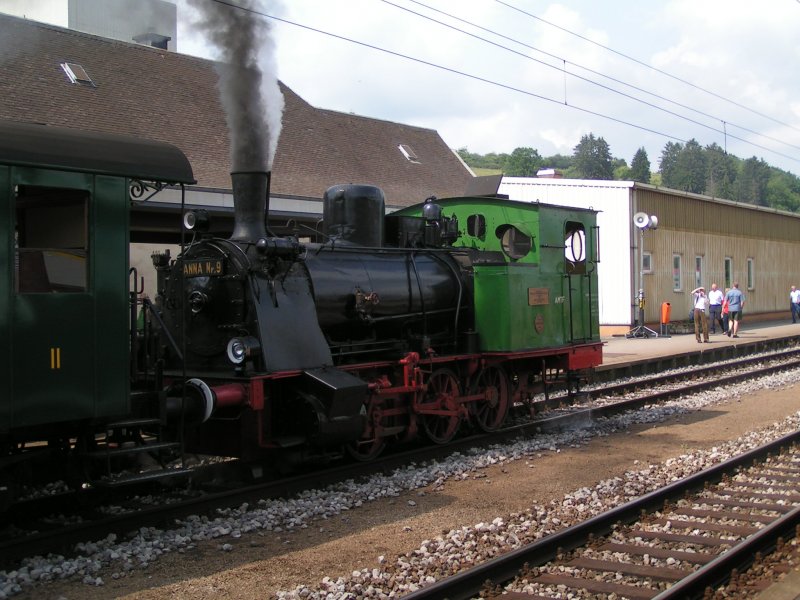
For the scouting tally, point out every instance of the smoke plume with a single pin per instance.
(248, 83)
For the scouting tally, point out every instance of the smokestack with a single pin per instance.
(248, 81)
(250, 205)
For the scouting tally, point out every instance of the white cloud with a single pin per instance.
(739, 51)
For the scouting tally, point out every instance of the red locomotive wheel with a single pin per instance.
(490, 412)
(441, 394)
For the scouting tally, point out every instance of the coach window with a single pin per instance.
(677, 274)
(575, 248)
(51, 240)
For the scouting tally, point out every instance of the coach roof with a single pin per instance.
(28, 144)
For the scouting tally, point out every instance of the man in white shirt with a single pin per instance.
(794, 298)
(715, 298)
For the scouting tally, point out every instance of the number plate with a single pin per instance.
(202, 268)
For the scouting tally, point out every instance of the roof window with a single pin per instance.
(77, 74)
(409, 153)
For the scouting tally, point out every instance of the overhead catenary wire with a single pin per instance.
(566, 62)
(517, 89)
(644, 64)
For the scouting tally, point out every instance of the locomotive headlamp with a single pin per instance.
(196, 220)
(242, 348)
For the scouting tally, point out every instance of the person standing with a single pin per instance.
(794, 299)
(700, 314)
(715, 298)
(725, 312)
(735, 299)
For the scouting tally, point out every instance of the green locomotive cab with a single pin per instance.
(64, 284)
(534, 275)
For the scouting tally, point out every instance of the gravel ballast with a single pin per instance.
(356, 534)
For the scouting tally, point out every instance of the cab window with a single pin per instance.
(575, 248)
(476, 226)
(514, 242)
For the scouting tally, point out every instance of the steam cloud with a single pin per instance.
(248, 83)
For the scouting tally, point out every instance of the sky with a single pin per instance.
(495, 75)
(530, 73)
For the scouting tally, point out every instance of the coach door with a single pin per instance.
(51, 302)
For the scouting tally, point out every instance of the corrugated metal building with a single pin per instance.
(699, 241)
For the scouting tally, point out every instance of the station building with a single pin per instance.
(699, 240)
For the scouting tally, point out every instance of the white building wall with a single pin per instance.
(123, 19)
(115, 19)
(45, 11)
(613, 199)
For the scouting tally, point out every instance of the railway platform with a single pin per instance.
(641, 355)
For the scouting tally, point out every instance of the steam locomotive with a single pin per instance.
(375, 330)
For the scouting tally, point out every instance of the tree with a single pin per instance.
(753, 181)
(708, 170)
(780, 194)
(721, 173)
(593, 158)
(491, 160)
(640, 167)
(783, 190)
(691, 168)
(622, 172)
(523, 162)
(558, 161)
(669, 163)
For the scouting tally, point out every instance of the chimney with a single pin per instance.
(549, 173)
(250, 205)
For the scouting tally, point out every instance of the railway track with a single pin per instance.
(675, 542)
(32, 539)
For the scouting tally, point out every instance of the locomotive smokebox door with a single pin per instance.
(340, 398)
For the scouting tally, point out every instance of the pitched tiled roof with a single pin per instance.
(171, 97)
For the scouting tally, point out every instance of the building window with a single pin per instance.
(647, 262)
(698, 271)
(728, 271)
(676, 273)
(409, 153)
(751, 283)
(77, 74)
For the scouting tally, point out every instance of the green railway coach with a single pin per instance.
(64, 279)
